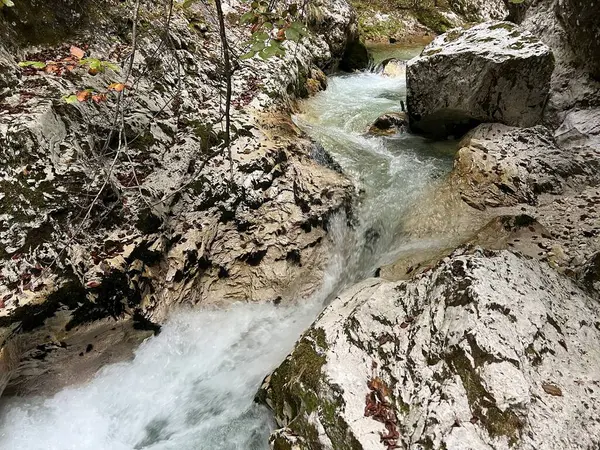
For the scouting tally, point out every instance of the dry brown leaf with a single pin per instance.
(82, 96)
(99, 98)
(77, 52)
(552, 389)
(53, 68)
(118, 87)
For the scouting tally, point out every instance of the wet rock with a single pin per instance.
(323, 157)
(393, 68)
(493, 72)
(486, 350)
(356, 57)
(389, 123)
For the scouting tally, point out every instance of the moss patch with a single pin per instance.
(498, 423)
(433, 19)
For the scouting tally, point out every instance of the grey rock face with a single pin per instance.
(485, 351)
(583, 30)
(493, 72)
(174, 222)
(498, 165)
(580, 127)
(480, 10)
(572, 85)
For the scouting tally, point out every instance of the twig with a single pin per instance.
(227, 73)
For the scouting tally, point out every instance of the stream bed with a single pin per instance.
(192, 386)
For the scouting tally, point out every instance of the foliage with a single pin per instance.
(270, 29)
(69, 64)
(7, 3)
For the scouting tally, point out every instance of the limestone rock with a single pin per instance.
(580, 18)
(172, 221)
(590, 273)
(493, 72)
(475, 11)
(572, 86)
(389, 123)
(498, 165)
(393, 68)
(485, 351)
(580, 127)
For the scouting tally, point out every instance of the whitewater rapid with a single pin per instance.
(192, 386)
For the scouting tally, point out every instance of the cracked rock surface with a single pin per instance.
(488, 350)
(172, 222)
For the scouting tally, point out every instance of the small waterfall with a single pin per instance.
(192, 386)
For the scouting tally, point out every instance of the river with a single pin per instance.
(192, 386)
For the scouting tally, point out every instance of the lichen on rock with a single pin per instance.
(472, 357)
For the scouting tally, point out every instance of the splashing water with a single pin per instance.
(192, 386)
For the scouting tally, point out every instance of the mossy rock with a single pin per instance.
(433, 19)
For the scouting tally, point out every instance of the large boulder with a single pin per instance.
(466, 356)
(480, 10)
(493, 72)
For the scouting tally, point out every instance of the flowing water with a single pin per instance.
(192, 386)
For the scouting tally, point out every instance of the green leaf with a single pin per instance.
(300, 28)
(111, 66)
(268, 26)
(248, 17)
(7, 3)
(188, 3)
(292, 34)
(70, 99)
(34, 64)
(248, 55)
(260, 36)
(258, 46)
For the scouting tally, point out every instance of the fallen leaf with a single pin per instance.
(70, 99)
(77, 52)
(92, 284)
(82, 96)
(552, 389)
(53, 68)
(99, 98)
(118, 87)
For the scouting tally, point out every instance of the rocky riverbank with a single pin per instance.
(490, 343)
(123, 206)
